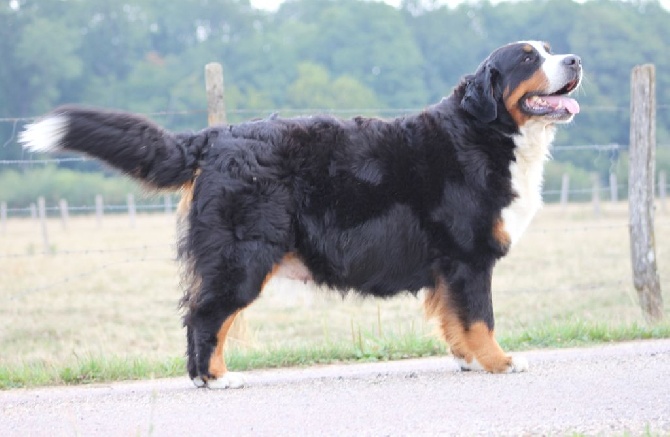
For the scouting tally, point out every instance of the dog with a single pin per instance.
(425, 201)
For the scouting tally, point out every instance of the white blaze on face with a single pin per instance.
(553, 67)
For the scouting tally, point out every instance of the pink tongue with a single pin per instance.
(569, 104)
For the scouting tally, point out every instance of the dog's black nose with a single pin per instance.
(573, 61)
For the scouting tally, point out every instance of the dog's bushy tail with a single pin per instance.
(127, 142)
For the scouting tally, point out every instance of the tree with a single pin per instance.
(366, 40)
(314, 88)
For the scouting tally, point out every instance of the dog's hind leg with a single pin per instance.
(461, 301)
(218, 375)
(232, 286)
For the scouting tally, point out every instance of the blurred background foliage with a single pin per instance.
(347, 57)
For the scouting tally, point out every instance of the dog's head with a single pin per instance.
(524, 81)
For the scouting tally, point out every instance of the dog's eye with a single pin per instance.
(527, 58)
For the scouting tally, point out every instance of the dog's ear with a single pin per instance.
(479, 100)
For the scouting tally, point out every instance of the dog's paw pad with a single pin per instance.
(228, 380)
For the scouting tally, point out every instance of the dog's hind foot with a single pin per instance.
(227, 380)
(513, 364)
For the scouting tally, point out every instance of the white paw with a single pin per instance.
(198, 382)
(519, 364)
(228, 380)
(472, 365)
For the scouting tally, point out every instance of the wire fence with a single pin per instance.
(141, 253)
(292, 111)
(150, 253)
(241, 114)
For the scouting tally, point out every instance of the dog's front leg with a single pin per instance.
(461, 301)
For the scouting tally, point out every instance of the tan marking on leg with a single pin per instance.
(475, 342)
(192, 282)
(483, 346)
(217, 362)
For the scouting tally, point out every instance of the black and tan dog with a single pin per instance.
(426, 201)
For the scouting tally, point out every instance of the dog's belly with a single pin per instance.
(381, 256)
(292, 268)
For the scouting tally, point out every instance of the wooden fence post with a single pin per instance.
(641, 191)
(3, 216)
(216, 115)
(132, 211)
(662, 181)
(167, 201)
(42, 213)
(595, 196)
(565, 189)
(614, 188)
(64, 213)
(99, 209)
(216, 107)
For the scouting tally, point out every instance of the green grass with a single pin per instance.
(88, 370)
(363, 347)
(575, 333)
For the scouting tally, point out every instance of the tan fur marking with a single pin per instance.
(186, 200)
(536, 83)
(468, 343)
(528, 48)
(290, 267)
(217, 362)
(500, 234)
(269, 276)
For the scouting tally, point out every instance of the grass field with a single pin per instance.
(112, 292)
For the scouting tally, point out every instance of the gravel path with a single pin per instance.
(614, 389)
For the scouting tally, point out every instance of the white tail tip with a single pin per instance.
(45, 135)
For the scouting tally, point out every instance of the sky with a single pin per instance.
(272, 5)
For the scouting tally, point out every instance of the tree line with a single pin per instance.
(345, 56)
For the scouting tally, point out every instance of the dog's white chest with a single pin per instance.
(532, 151)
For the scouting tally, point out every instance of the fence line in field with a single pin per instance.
(641, 170)
(539, 290)
(40, 211)
(167, 204)
(250, 111)
(68, 279)
(92, 251)
(146, 247)
(554, 149)
(142, 251)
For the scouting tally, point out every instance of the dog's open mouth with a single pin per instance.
(556, 105)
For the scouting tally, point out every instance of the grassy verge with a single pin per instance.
(363, 348)
(579, 333)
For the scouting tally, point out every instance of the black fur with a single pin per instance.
(133, 145)
(379, 207)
